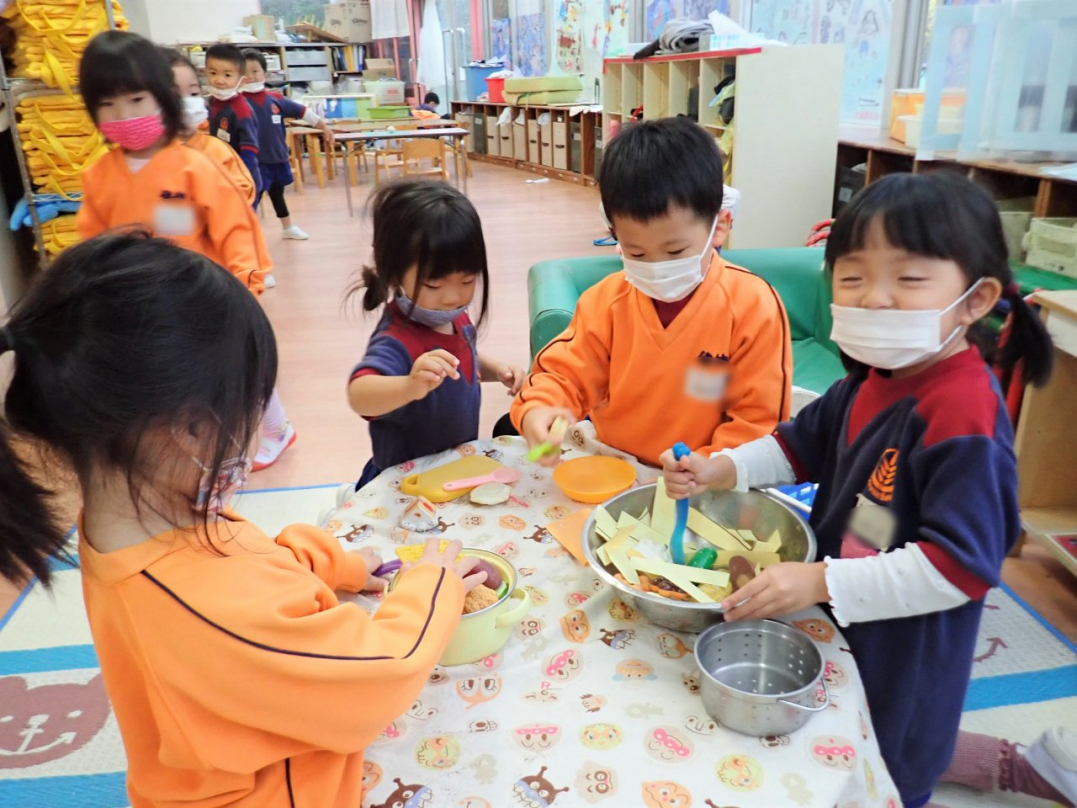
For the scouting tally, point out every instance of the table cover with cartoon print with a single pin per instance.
(588, 705)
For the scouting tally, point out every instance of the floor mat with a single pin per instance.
(61, 745)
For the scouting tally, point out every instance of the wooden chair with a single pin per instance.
(356, 158)
(388, 154)
(416, 151)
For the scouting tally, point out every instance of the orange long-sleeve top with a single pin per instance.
(180, 194)
(236, 675)
(225, 156)
(616, 363)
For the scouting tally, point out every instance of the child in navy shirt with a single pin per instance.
(230, 116)
(418, 384)
(270, 111)
(913, 453)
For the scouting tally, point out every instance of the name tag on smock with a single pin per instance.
(174, 220)
(223, 135)
(276, 119)
(706, 384)
(873, 523)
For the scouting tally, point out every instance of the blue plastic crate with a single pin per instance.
(476, 79)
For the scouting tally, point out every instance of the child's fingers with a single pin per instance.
(444, 356)
(474, 581)
(465, 566)
(375, 584)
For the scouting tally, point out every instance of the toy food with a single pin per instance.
(478, 599)
(491, 494)
(741, 571)
(493, 577)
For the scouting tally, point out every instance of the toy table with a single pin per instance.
(599, 708)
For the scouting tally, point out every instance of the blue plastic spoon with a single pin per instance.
(676, 541)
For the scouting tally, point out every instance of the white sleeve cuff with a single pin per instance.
(760, 464)
(901, 583)
(310, 118)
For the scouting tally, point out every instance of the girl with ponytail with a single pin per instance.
(418, 383)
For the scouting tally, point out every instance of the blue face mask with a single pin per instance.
(431, 318)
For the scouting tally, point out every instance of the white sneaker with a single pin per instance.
(294, 232)
(1054, 757)
(271, 281)
(270, 450)
(344, 493)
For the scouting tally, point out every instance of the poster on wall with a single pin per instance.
(531, 45)
(862, 26)
(658, 12)
(569, 35)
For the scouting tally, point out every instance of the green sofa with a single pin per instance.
(554, 287)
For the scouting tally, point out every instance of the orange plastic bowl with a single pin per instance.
(594, 479)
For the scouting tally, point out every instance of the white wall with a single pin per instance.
(172, 21)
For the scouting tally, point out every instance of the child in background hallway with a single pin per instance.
(230, 116)
(418, 383)
(429, 107)
(680, 346)
(235, 674)
(195, 115)
(913, 453)
(270, 111)
(153, 180)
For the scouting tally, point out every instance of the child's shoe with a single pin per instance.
(271, 281)
(1054, 757)
(270, 449)
(294, 232)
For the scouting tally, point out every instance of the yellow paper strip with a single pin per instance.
(664, 510)
(605, 524)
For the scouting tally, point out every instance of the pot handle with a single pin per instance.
(519, 612)
(817, 709)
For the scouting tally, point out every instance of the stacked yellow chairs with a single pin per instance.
(51, 36)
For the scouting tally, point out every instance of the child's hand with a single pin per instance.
(447, 559)
(512, 377)
(695, 473)
(430, 370)
(372, 561)
(777, 590)
(536, 430)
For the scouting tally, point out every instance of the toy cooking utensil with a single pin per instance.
(557, 437)
(388, 568)
(505, 476)
(676, 540)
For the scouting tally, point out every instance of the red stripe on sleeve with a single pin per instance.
(953, 572)
(794, 461)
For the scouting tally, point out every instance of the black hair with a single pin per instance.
(176, 58)
(431, 98)
(944, 215)
(649, 167)
(117, 62)
(253, 55)
(423, 223)
(122, 335)
(224, 52)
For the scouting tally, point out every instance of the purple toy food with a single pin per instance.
(493, 577)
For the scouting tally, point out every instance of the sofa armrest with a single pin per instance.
(554, 287)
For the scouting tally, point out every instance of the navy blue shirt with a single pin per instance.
(271, 110)
(447, 417)
(936, 451)
(233, 122)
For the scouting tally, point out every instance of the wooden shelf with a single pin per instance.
(1044, 525)
(681, 57)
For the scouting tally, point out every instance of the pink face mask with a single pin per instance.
(134, 134)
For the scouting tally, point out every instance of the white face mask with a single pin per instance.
(891, 339)
(223, 95)
(253, 87)
(670, 281)
(194, 111)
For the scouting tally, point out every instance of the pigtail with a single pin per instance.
(1027, 342)
(373, 287)
(29, 532)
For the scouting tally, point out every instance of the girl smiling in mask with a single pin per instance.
(913, 453)
(418, 384)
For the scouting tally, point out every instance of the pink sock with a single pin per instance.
(975, 762)
(1016, 774)
(274, 420)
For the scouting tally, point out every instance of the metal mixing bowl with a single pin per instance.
(752, 511)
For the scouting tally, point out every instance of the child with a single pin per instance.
(429, 107)
(681, 346)
(418, 383)
(152, 179)
(235, 674)
(230, 116)
(195, 116)
(913, 451)
(270, 110)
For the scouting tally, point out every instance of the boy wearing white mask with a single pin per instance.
(913, 453)
(680, 346)
(230, 115)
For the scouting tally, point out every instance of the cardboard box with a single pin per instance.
(519, 141)
(534, 141)
(546, 136)
(261, 26)
(493, 136)
(560, 143)
(376, 69)
(350, 20)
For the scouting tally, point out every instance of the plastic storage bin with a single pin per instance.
(476, 79)
(385, 113)
(386, 91)
(1016, 216)
(1052, 245)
